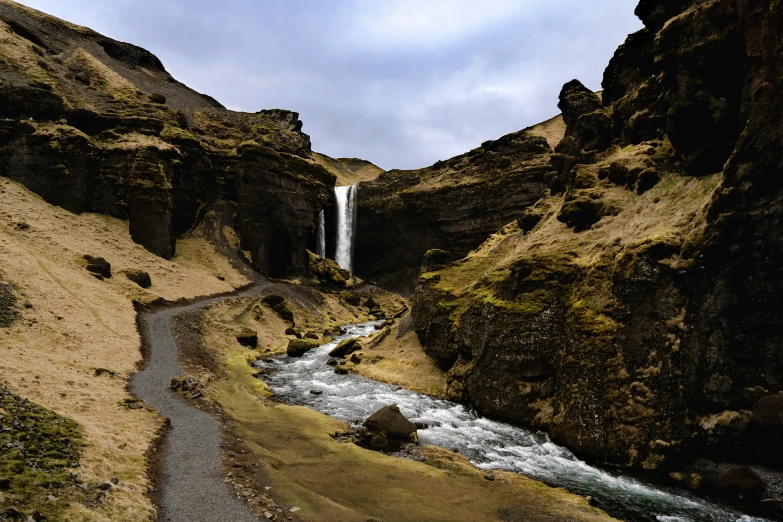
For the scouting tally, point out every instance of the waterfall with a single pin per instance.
(346, 221)
(321, 234)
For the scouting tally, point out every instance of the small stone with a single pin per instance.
(135, 406)
(294, 509)
(268, 515)
(267, 488)
(114, 480)
(356, 359)
(341, 370)
(421, 425)
(331, 361)
(2, 498)
(140, 277)
(28, 305)
(489, 476)
(316, 392)
(51, 498)
(104, 487)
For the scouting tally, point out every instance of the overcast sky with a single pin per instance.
(401, 83)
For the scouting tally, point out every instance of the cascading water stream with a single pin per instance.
(488, 444)
(346, 223)
(321, 236)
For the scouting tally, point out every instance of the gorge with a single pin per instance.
(592, 302)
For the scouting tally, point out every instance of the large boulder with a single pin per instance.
(768, 411)
(347, 347)
(740, 482)
(299, 347)
(247, 337)
(390, 424)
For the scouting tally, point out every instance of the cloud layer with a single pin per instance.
(401, 83)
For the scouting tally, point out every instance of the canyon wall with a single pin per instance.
(632, 311)
(96, 125)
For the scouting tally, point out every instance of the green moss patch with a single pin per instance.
(37, 448)
(8, 311)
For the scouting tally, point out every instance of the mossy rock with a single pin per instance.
(435, 258)
(299, 347)
(279, 305)
(345, 348)
(98, 266)
(583, 209)
(327, 271)
(247, 337)
(391, 424)
(157, 98)
(140, 277)
(351, 298)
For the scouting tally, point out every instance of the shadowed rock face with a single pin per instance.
(637, 339)
(95, 125)
(453, 205)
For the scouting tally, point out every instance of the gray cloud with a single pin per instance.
(401, 83)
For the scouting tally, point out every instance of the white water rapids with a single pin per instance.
(346, 222)
(488, 444)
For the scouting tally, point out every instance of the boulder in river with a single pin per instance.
(740, 482)
(391, 424)
(347, 347)
(299, 347)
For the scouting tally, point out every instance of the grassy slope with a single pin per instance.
(349, 171)
(78, 323)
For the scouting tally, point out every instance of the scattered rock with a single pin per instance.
(346, 347)
(103, 487)
(293, 331)
(28, 305)
(582, 209)
(311, 335)
(157, 98)
(356, 359)
(114, 480)
(98, 266)
(247, 337)
(351, 298)
(187, 384)
(140, 277)
(299, 347)
(316, 392)
(435, 258)
(103, 371)
(341, 370)
(421, 425)
(331, 361)
(489, 476)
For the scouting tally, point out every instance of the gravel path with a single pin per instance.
(192, 488)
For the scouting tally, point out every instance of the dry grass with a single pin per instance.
(552, 130)
(102, 77)
(78, 323)
(400, 361)
(348, 171)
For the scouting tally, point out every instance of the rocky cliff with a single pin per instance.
(452, 205)
(633, 309)
(96, 125)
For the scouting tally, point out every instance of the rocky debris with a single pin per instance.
(327, 271)
(341, 370)
(104, 371)
(293, 331)
(316, 392)
(98, 266)
(157, 98)
(346, 347)
(355, 358)
(280, 307)
(331, 361)
(351, 298)
(247, 337)
(299, 347)
(140, 277)
(312, 335)
(490, 476)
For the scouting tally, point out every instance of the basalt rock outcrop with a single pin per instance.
(452, 205)
(96, 125)
(633, 310)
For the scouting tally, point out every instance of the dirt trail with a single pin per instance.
(191, 486)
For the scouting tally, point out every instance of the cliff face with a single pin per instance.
(96, 125)
(632, 311)
(453, 205)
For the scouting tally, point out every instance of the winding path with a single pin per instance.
(192, 488)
